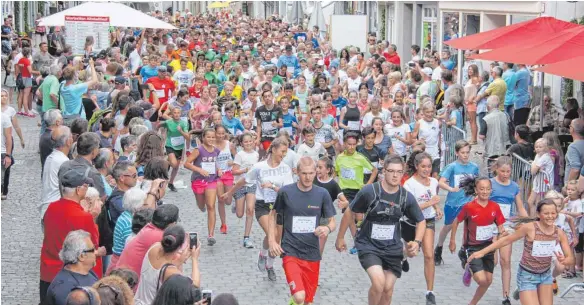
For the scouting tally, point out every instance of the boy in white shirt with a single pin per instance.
(310, 148)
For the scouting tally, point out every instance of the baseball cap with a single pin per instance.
(120, 80)
(427, 71)
(76, 177)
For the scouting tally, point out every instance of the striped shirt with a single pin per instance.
(122, 230)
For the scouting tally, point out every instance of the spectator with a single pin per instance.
(48, 92)
(87, 149)
(140, 219)
(225, 299)
(551, 118)
(71, 93)
(452, 88)
(129, 276)
(572, 111)
(24, 71)
(106, 132)
(113, 290)
(575, 153)
(177, 290)
(521, 96)
(92, 203)
(511, 82)
(428, 87)
(78, 256)
(42, 58)
(495, 134)
(52, 118)
(392, 56)
(104, 163)
(497, 87)
(135, 250)
(63, 140)
(482, 104)
(63, 216)
(522, 148)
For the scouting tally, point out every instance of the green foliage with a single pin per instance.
(567, 83)
(383, 22)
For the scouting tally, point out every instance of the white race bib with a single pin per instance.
(269, 195)
(288, 130)
(177, 141)
(429, 212)
(303, 224)
(353, 125)
(159, 93)
(209, 167)
(543, 248)
(382, 232)
(347, 173)
(267, 126)
(457, 179)
(484, 233)
(506, 210)
(338, 111)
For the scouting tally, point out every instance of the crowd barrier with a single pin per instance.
(450, 135)
(521, 174)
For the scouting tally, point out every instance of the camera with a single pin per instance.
(207, 294)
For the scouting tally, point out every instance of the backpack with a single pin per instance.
(95, 121)
(439, 98)
(377, 191)
(106, 234)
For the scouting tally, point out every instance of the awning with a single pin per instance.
(510, 35)
(572, 68)
(561, 46)
(119, 15)
(219, 4)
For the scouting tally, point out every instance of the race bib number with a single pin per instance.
(382, 232)
(484, 233)
(429, 213)
(457, 179)
(209, 167)
(267, 126)
(303, 224)
(348, 173)
(353, 125)
(543, 248)
(338, 111)
(366, 171)
(177, 141)
(269, 195)
(288, 130)
(159, 93)
(506, 210)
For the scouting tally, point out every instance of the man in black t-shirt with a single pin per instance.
(269, 120)
(302, 205)
(379, 239)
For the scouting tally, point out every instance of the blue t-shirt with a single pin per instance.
(232, 125)
(147, 72)
(287, 120)
(454, 173)
(339, 104)
(521, 94)
(448, 64)
(504, 194)
(122, 230)
(458, 115)
(71, 99)
(510, 80)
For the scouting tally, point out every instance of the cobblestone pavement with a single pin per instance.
(226, 267)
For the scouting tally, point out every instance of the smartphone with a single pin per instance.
(193, 237)
(144, 87)
(207, 295)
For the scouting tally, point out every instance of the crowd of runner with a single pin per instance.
(268, 118)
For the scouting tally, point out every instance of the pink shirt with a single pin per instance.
(134, 252)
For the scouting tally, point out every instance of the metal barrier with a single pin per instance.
(450, 135)
(521, 174)
(410, 111)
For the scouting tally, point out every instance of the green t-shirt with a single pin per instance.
(210, 55)
(174, 138)
(350, 170)
(49, 86)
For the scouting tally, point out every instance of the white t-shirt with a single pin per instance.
(184, 77)
(50, 180)
(546, 172)
(315, 152)
(353, 84)
(391, 131)
(6, 123)
(262, 172)
(430, 132)
(385, 115)
(246, 160)
(423, 194)
(134, 60)
(9, 111)
(437, 74)
(576, 206)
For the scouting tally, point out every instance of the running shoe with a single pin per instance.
(466, 276)
(506, 301)
(438, 256)
(171, 187)
(516, 294)
(211, 241)
(463, 257)
(405, 266)
(555, 287)
(20, 113)
(262, 262)
(30, 115)
(353, 250)
(223, 229)
(271, 274)
(247, 243)
(430, 299)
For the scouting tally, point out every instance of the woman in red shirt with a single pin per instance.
(24, 68)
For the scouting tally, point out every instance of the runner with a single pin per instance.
(310, 148)
(350, 117)
(541, 239)
(428, 130)
(379, 240)
(303, 207)
(206, 172)
(399, 132)
(369, 150)
(325, 134)
(505, 193)
(269, 120)
(268, 176)
(479, 216)
(424, 188)
(450, 178)
(245, 197)
(225, 163)
(177, 131)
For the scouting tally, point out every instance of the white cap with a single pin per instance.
(427, 71)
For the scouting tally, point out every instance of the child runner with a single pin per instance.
(310, 148)
(245, 197)
(177, 131)
(542, 170)
(203, 163)
(224, 163)
(269, 120)
(289, 121)
(399, 133)
(540, 239)
(325, 134)
(369, 150)
(424, 188)
(231, 123)
(428, 129)
(478, 216)
(506, 194)
(450, 178)
(350, 119)
(574, 208)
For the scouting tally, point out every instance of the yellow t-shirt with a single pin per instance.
(498, 87)
(175, 64)
(237, 93)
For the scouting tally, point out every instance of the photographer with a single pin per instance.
(71, 93)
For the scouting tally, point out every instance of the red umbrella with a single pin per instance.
(515, 34)
(558, 47)
(571, 68)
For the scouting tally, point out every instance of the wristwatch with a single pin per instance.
(419, 243)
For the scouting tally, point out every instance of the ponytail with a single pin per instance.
(469, 183)
(523, 220)
(330, 166)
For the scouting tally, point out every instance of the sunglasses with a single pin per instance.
(132, 175)
(92, 250)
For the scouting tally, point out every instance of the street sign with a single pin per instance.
(78, 28)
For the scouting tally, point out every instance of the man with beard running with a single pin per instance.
(302, 205)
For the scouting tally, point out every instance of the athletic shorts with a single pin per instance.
(262, 208)
(450, 213)
(392, 264)
(436, 166)
(244, 191)
(266, 144)
(227, 178)
(177, 153)
(527, 280)
(350, 195)
(580, 246)
(301, 275)
(486, 263)
(408, 231)
(200, 185)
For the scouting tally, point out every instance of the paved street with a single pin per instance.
(226, 267)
